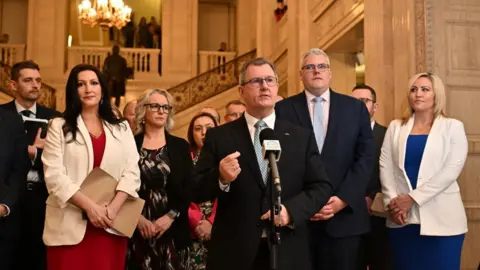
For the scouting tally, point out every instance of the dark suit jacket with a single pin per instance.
(347, 154)
(237, 230)
(14, 166)
(181, 166)
(42, 113)
(374, 186)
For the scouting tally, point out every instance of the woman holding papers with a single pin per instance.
(422, 156)
(88, 135)
(162, 239)
(201, 216)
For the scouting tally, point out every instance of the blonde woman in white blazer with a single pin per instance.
(422, 157)
(88, 135)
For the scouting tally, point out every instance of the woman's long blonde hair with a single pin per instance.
(440, 100)
(140, 109)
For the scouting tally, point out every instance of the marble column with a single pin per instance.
(389, 53)
(47, 42)
(179, 39)
(246, 22)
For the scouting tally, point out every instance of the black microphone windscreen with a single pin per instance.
(267, 134)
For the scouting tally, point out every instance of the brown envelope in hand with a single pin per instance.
(377, 206)
(100, 187)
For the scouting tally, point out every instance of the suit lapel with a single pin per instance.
(83, 131)
(282, 134)
(431, 151)
(402, 142)
(109, 145)
(301, 108)
(243, 140)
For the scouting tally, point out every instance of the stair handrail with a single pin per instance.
(209, 83)
(47, 93)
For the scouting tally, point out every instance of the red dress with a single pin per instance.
(99, 250)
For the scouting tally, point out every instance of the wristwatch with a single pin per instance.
(173, 214)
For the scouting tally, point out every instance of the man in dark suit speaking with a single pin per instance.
(231, 169)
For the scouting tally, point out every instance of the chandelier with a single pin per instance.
(105, 13)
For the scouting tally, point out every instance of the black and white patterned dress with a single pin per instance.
(153, 253)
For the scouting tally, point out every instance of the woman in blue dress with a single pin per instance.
(422, 156)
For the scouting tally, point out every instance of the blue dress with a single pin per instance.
(412, 251)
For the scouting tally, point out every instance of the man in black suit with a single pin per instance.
(14, 165)
(231, 169)
(375, 247)
(26, 83)
(342, 130)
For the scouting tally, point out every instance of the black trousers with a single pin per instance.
(376, 250)
(7, 253)
(33, 218)
(262, 260)
(329, 253)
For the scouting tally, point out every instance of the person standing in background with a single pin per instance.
(116, 71)
(201, 216)
(234, 110)
(375, 247)
(26, 83)
(162, 238)
(129, 113)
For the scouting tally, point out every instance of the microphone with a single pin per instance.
(270, 144)
(271, 151)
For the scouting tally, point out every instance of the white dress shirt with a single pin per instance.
(251, 121)
(325, 106)
(32, 174)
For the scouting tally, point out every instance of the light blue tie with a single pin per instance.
(262, 163)
(318, 122)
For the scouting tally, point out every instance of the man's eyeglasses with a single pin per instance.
(155, 107)
(258, 82)
(366, 100)
(320, 67)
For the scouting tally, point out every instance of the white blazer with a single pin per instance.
(68, 164)
(439, 207)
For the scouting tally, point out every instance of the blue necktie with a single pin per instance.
(262, 163)
(318, 122)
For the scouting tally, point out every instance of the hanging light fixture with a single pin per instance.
(105, 13)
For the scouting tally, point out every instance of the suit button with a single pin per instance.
(258, 224)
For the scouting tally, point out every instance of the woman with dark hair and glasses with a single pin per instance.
(162, 239)
(201, 216)
(88, 135)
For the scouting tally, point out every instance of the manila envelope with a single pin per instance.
(100, 187)
(377, 206)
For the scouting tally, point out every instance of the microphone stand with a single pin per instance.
(275, 208)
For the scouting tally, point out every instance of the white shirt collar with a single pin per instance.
(269, 120)
(372, 123)
(20, 108)
(325, 96)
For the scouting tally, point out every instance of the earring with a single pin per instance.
(143, 121)
(101, 101)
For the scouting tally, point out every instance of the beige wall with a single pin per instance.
(215, 25)
(146, 8)
(179, 39)
(343, 72)
(84, 35)
(14, 18)
(453, 51)
(246, 21)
